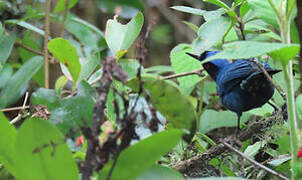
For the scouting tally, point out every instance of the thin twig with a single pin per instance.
(195, 72)
(18, 43)
(14, 109)
(46, 62)
(253, 161)
(241, 27)
(16, 119)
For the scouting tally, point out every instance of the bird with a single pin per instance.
(241, 84)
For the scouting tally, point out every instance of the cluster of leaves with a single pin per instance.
(38, 149)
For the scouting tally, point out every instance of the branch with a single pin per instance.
(18, 43)
(257, 128)
(195, 72)
(253, 161)
(46, 62)
(16, 119)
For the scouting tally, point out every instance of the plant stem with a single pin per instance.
(46, 62)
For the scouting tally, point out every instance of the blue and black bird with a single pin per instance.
(241, 84)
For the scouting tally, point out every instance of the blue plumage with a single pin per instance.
(241, 85)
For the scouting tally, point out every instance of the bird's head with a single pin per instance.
(213, 67)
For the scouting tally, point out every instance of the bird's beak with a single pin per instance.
(194, 56)
(275, 71)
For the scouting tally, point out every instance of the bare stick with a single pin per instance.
(195, 72)
(17, 43)
(14, 109)
(253, 161)
(16, 119)
(46, 62)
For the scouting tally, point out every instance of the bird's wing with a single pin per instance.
(233, 75)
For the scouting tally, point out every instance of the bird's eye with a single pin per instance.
(207, 66)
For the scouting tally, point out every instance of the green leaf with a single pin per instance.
(74, 112)
(120, 37)
(66, 54)
(218, 3)
(14, 88)
(158, 145)
(88, 25)
(181, 63)
(89, 65)
(253, 149)
(192, 26)
(159, 69)
(189, 10)
(41, 153)
(247, 49)
(299, 106)
(26, 55)
(60, 83)
(290, 7)
(211, 33)
(5, 73)
(7, 143)
(130, 66)
(61, 5)
(1, 29)
(168, 100)
(83, 33)
(211, 119)
(160, 172)
(263, 10)
(6, 46)
(46, 97)
(219, 178)
(110, 5)
(25, 25)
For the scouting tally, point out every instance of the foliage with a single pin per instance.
(138, 122)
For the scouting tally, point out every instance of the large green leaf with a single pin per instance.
(7, 143)
(6, 72)
(181, 63)
(66, 54)
(120, 37)
(160, 172)
(41, 153)
(158, 145)
(168, 100)
(211, 33)
(211, 119)
(61, 5)
(89, 65)
(74, 112)
(14, 88)
(264, 11)
(88, 25)
(247, 49)
(46, 97)
(6, 46)
(130, 66)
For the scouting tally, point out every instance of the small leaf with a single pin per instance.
(88, 25)
(192, 26)
(61, 5)
(158, 145)
(119, 36)
(66, 54)
(189, 10)
(89, 65)
(41, 153)
(253, 149)
(14, 88)
(168, 100)
(211, 33)
(46, 97)
(248, 49)
(6, 46)
(60, 83)
(7, 144)
(181, 63)
(299, 106)
(218, 3)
